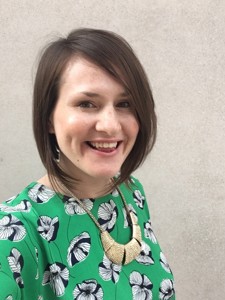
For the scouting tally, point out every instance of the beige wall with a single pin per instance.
(181, 44)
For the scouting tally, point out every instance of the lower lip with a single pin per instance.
(105, 151)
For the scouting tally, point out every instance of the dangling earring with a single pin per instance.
(54, 148)
(57, 158)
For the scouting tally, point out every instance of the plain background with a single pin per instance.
(181, 45)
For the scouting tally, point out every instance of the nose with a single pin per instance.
(108, 121)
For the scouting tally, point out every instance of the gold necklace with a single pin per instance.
(117, 253)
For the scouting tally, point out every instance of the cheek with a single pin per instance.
(133, 128)
(74, 129)
(66, 124)
(77, 121)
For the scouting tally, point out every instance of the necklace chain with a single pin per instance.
(83, 206)
(88, 211)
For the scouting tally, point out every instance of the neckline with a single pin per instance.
(61, 195)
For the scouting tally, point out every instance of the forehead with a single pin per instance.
(77, 65)
(81, 71)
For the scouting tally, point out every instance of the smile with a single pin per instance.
(103, 145)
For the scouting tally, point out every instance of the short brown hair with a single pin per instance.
(113, 54)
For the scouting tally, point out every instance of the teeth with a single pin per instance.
(104, 145)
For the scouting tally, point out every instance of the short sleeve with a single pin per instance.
(17, 257)
(9, 290)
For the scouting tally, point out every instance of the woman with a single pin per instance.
(83, 231)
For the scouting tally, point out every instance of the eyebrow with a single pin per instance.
(91, 94)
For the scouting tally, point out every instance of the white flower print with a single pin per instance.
(141, 286)
(145, 256)
(148, 232)
(79, 249)
(107, 214)
(88, 290)
(139, 198)
(166, 290)
(109, 270)
(16, 263)
(115, 193)
(40, 194)
(36, 255)
(11, 229)
(10, 199)
(72, 207)
(48, 227)
(23, 206)
(57, 275)
(164, 263)
(130, 207)
(132, 180)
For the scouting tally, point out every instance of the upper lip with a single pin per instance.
(106, 141)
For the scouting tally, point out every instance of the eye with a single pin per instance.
(124, 104)
(86, 104)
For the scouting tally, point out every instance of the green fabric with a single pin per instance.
(51, 249)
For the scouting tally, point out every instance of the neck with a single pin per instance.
(83, 190)
(91, 189)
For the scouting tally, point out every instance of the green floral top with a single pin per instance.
(51, 249)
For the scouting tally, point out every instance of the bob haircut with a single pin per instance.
(113, 54)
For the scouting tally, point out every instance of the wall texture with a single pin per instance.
(181, 45)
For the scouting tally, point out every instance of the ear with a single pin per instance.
(50, 127)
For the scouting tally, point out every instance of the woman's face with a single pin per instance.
(93, 121)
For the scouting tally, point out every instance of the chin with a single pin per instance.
(106, 175)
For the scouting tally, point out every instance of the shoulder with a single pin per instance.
(13, 215)
(34, 193)
(11, 212)
(136, 184)
(135, 196)
(139, 196)
(13, 202)
(19, 214)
